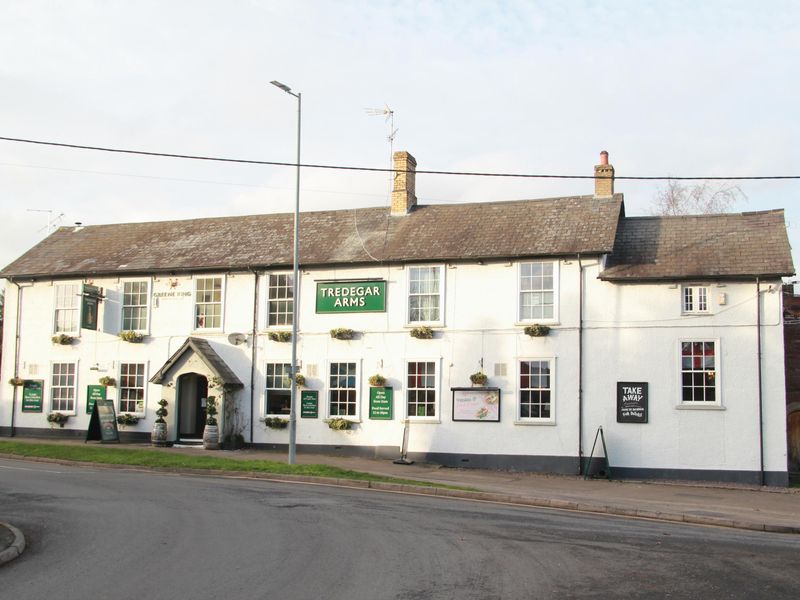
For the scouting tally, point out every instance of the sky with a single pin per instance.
(667, 88)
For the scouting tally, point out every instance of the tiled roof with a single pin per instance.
(551, 227)
(212, 360)
(703, 246)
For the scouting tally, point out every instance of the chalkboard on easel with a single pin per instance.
(103, 423)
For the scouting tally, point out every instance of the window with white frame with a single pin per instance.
(131, 387)
(134, 305)
(537, 291)
(208, 303)
(421, 389)
(280, 304)
(62, 386)
(695, 299)
(425, 293)
(536, 390)
(699, 372)
(277, 392)
(67, 308)
(342, 389)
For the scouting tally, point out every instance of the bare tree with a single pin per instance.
(704, 198)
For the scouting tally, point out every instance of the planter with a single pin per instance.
(131, 337)
(342, 333)
(63, 339)
(422, 333)
(276, 423)
(537, 330)
(211, 437)
(280, 336)
(339, 424)
(57, 418)
(159, 435)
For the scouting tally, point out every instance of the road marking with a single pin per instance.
(35, 470)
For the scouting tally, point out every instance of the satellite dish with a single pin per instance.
(237, 338)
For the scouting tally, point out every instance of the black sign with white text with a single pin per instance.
(631, 402)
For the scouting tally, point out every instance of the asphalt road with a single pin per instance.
(100, 533)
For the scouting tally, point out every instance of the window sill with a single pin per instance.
(699, 407)
(542, 322)
(536, 423)
(424, 420)
(431, 324)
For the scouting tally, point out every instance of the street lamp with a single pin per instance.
(295, 285)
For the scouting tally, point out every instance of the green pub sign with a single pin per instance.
(351, 296)
(91, 298)
(309, 404)
(93, 394)
(380, 403)
(32, 395)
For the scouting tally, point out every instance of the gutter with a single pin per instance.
(580, 366)
(253, 352)
(760, 393)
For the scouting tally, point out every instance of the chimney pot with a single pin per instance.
(604, 158)
(403, 194)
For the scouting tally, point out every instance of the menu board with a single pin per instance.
(476, 404)
(32, 395)
(103, 422)
(93, 394)
(309, 404)
(631, 402)
(380, 403)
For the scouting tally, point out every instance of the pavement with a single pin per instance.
(723, 505)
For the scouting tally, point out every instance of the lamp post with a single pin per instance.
(295, 285)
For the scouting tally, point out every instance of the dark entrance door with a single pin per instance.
(192, 395)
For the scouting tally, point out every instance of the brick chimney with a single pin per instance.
(403, 198)
(603, 177)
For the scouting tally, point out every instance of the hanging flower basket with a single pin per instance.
(108, 381)
(342, 333)
(479, 378)
(16, 381)
(131, 337)
(280, 336)
(299, 379)
(422, 333)
(377, 380)
(537, 330)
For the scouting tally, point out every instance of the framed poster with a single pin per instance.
(32, 395)
(476, 404)
(380, 403)
(309, 404)
(631, 402)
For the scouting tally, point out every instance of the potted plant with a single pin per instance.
(131, 337)
(537, 330)
(108, 381)
(280, 336)
(159, 435)
(480, 378)
(275, 422)
(377, 380)
(339, 424)
(57, 418)
(422, 333)
(126, 419)
(16, 381)
(211, 431)
(62, 339)
(342, 333)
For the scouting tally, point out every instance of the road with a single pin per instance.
(102, 533)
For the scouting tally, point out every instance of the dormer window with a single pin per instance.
(695, 299)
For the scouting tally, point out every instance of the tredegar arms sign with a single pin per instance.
(351, 296)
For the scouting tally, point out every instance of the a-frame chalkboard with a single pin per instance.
(103, 423)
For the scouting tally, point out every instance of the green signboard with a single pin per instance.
(32, 395)
(103, 423)
(309, 404)
(380, 403)
(93, 394)
(351, 296)
(91, 298)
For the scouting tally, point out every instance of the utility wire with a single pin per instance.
(385, 170)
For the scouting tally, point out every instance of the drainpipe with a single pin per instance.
(253, 351)
(580, 365)
(760, 394)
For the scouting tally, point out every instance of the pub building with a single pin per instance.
(507, 333)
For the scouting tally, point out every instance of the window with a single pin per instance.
(278, 393)
(208, 303)
(421, 389)
(699, 372)
(535, 390)
(62, 387)
(342, 389)
(425, 289)
(134, 305)
(131, 387)
(537, 291)
(68, 301)
(280, 303)
(695, 299)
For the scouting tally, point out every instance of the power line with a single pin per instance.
(386, 170)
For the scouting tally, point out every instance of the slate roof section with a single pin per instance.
(440, 232)
(700, 247)
(209, 356)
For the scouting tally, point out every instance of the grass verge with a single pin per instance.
(168, 460)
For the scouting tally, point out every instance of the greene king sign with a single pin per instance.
(351, 296)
